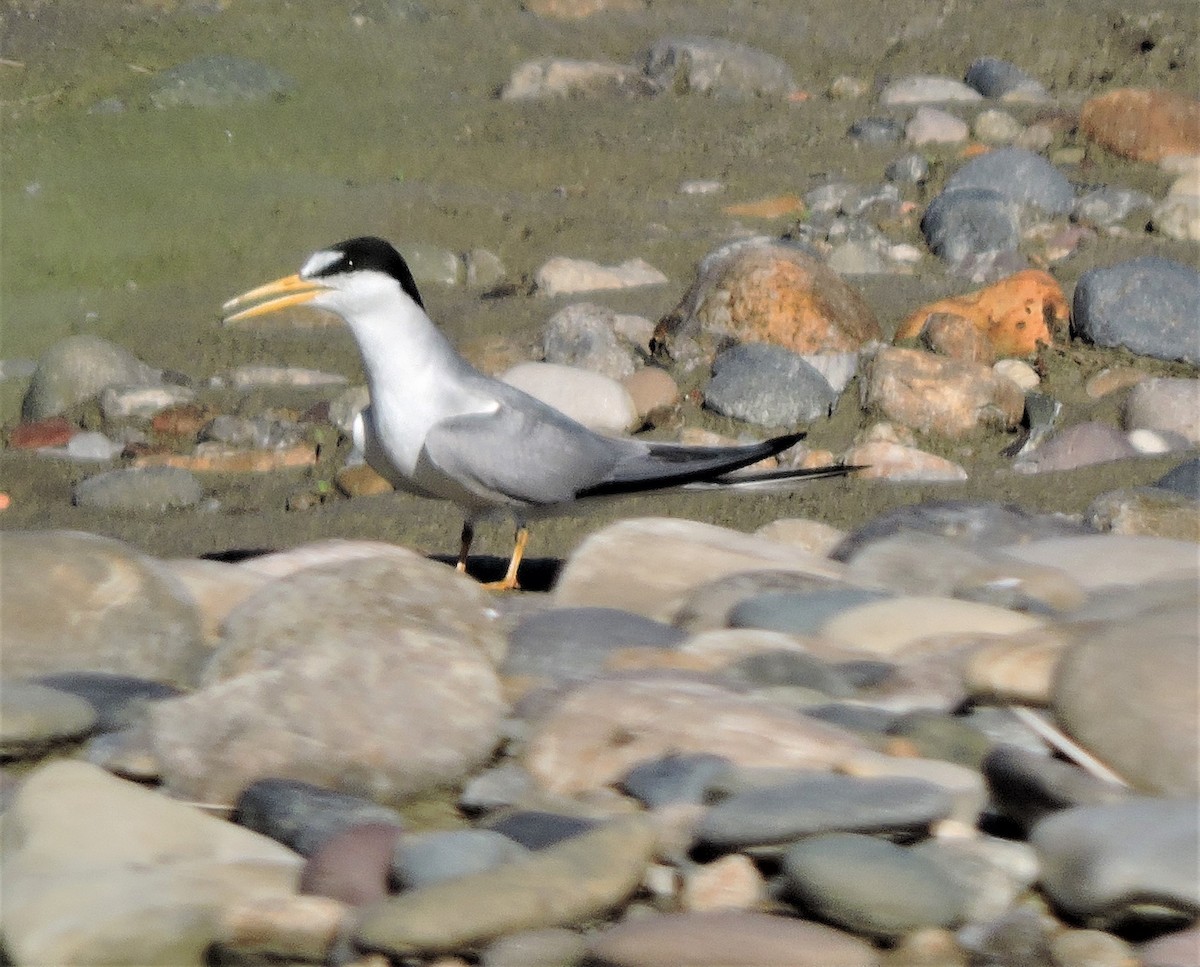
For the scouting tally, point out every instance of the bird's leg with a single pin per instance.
(468, 535)
(509, 583)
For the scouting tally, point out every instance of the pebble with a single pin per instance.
(1183, 479)
(1018, 175)
(768, 386)
(537, 829)
(988, 873)
(1019, 371)
(1110, 561)
(652, 390)
(1107, 206)
(876, 130)
(930, 125)
(716, 67)
(1147, 305)
(730, 882)
(1143, 124)
(119, 701)
(894, 461)
(584, 335)
(966, 223)
(565, 276)
(908, 169)
(353, 865)
(1122, 861)
(1178, 215)
(701, 186)
(797, 612)
(139, 490)
(1090, 948)
(550, 947)
(1027, 786)
(674, 778)
(996, 127)
(1075, 446)
(869, 885)
(35, 716)
(1152, 511)
(1178, 949)
(78, 369)
(994, 77)
(1165, 405)
(142, 402)
(562, 77)
(927, 89)
(54, 431)
(598, 402)
(303, 928)
(218, 80)
(90, 446)
(422, 859)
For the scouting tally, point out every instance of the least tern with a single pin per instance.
(440, 428)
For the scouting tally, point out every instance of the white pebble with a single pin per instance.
(1019, 371)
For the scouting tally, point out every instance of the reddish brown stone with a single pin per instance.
(1143, 124)
(353, 865)
(55, 431)
(185, 420)
(953, 335)
(777, 206)
(217, 458)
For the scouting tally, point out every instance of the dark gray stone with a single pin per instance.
(1184, 479)
(1026, 786)
(1148, 305)
(869, 719)
(993, 77)
(139, 490)
(674, 778)
(119, 700)
(722, 68)
(798, 612)
(537, 830)
(218, 80)
(971, 222)
(877, 130)
(791, 669)
(768, 386)
(424, 858)
(1019, 176)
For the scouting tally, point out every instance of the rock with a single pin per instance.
(584, 335)
(1152, 511)
(574, 881)
(119, 701)
(768, 386)
(645, 565)
(1019, 176)
(1090, 948)
(908, 169)
(217, 458)
(784, 812)
(98, 869)
(506, 784)
(596, 733)
(253, 376)
(598, 402)
(91, 446)
(375, 668)
(1028, 786)
(893, 461)
(731, 882)
(34, 717)
(1105, 561)
(717, 67)
(987, 873)
(674, 778)
(798, 612)
(993, 77)
(1017, 314)
(564, 276)
(1130, 694)
(1178, 949)
(869, 885)
(776, 206)
(1165, 405)
(78, 602)
(54, 431)
(956, 336)
(1183, 479)
(1019, 371)
(1019, 669)
(263, 432)
(536, 829)
(551, 947)
(701, 186)
(302, 928)
(1122, 860)
(1178, 215)
(352, 866)
(278, 564)
(139, 490)
(79, 368)
(562, 77)
(770, 292)
(1147, 305)
(927, 89)
(580, 9)
(422, 859)
(651, 389)
(878, 130)
(566, 644)
(1077, 446)
(1143, 124)
(216, 588)
(304, 817)
(928, 125)
(996, 127)
(218, 80)
(811, 535)
(968, 223)
(141, 402)
(935, 394)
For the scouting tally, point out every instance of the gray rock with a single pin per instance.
(583, 334)
(1109, 205)
(503, 785)
(908, 169)
(218, 80)
(258, 431)
(798, 612)
(1149, 305)
(784, 669)
(79, 368)
(769, 386)
(1154, 511)
(1075, 446)
(1028, 786)
(821, 803)
(1184, 479)
(1165, 405)
(869, 885)
(722, 68)
(120, 701)
(537, 829)
(1019, 176)
(993, 77)
(1126, 860)
(77, 602)
(988, 873)
(34, 716)
(708, 604)
(674, 778)
(139, 490)
(424, 858)
(568, 644)
(876, 130)
(433, 264)
(552, 947)
(1020, 937)
(970, 222)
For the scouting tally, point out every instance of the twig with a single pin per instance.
(1064, 744)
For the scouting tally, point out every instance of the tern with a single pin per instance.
(438, 427)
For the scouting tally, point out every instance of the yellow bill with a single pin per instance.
(291, 290)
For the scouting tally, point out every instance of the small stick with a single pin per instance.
(1071, 749)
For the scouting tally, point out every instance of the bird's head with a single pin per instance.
(351, 279)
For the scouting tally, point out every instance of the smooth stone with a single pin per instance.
(1021, 935)
(565, 276)
(723, 938)
(908, 169)
(1165, 405)
(551, 947)
(1081, 445)
(218, 80)
(302, 816)
(536, 829)
(598, 402)
(1018, 175)
(996, 127)
(120, 701)
(941, 735)
(91, 445)
(1117, 860)
(650, 565)
(421, 859)
(716, 67)
(1019, 669)
(78, 602)
(139, 490)
(353, 865)
(989, 874)
(216, 588)
(1152, 511)
(1147, 305)
(485, 269)
(884, 460)
(260, 431)
(100, 870)
(965, 223)
(768, 386)
(876, 130)
(1183, 479)
(1110, 205)
(798, 612)
(927, 89)
(506, 784)
(304, 929)
(382, 663)
(673, 778)
(142, 402)
(594, 734)
(1178, 217)
(730, 882)
(1090, 948)
(887, 627)
(929, 125)
(775, 815)
(708, 605)
(994, 77)
(961, 782)
(812, 535)
(568, 644)
(77, 369)
(1145, 124)
(574, 881)
(1019, 371)
(583, 335)
(1178, 949)
(1130, 694)
(1102, 561)
(651, 389)
(564, 77)
(789, 669)
(869, 885)
(34, 716)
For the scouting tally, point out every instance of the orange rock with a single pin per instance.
(973, 150)
(185, 420)
(1143, 124)
(777, 207)
(54, 431)
(216, 458)
(1017, 314)
(953, 335)
(360, 481)
(5, 501)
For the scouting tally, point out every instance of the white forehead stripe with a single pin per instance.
(318, 262)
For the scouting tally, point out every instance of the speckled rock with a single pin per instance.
(769, 386)
(1143, 124)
